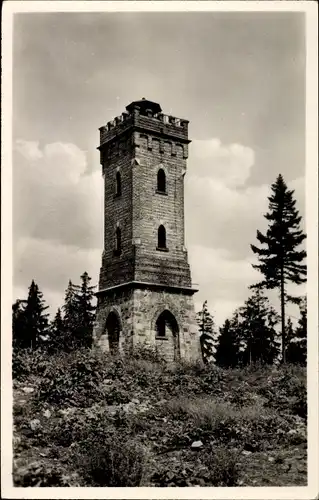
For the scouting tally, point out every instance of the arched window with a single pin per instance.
(161, 237)
(161, 181)
(166, 324)
(118, 242)
(118, 185)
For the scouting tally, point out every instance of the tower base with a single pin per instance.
(140, 314)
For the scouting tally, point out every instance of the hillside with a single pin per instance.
(85, 419)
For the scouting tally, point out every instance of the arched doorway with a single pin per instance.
(113, 329)
(167, 336)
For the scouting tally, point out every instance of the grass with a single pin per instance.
(92, 420)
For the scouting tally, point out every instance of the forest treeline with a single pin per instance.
(255, 333)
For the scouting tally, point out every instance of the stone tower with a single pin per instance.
(145, 292)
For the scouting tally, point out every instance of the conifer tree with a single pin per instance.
(257, 330)
(19, 332)
(36, 320)
(297, 345)
(279, 260)
(71, 318)
(86, 311)
(290, 334)
(206, 329)
(57, 334)
(227, 351)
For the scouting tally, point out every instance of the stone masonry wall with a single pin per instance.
(117, 213)
(138, 310)
(148, 305)
(122, 303)
(137, 145)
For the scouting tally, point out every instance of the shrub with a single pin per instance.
(286, 389)
(44, 475)
(27, 363)
(145, 352)
(216, 466)
(72, 378)
(110, 462)
(205, 419)
(222, 465)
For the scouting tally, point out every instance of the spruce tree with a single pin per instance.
(71, 316)
(257, 330)
(227, 351)
(86, 311)
(36, 320)
(279, 260)
(206, 329)
(57, 334)
(297, 345)
(19, 332)
(290, 334)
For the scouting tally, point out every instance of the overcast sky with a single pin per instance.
(238, 77)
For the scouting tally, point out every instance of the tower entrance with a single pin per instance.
(167, 336)
(145, 266)
(113, 329)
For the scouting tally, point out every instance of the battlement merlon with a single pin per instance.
(146, 117)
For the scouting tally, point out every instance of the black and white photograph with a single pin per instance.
(160, 264)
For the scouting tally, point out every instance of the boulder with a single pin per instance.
(35, 424)
(196, 445)
(28, 390)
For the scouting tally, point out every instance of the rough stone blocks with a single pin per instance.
(145, 289)
(138, 310)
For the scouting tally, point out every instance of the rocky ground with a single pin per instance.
(83, 420)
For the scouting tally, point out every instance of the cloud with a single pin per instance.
(222, 281)
(54, 198)
(58, 218)
(29, 149)
(230, 164)
(222, 209)
(51, 266)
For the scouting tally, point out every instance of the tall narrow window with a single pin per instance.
(161, 181)
(118, 184)
(161, 238)
(118, 242)
(160, 326)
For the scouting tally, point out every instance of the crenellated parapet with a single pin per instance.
(145, 117)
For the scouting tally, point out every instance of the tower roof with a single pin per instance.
(144, 104)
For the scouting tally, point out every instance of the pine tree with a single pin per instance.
(280, 261)
(206, 328)
(36, 321)
(86, 311)
(257, 330)
(227, 351)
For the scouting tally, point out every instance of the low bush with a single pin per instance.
(72, 379)
(112, 461)
(27, 363)
(222, 465)
(204, 419)
(216, 466)
(39, 474)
